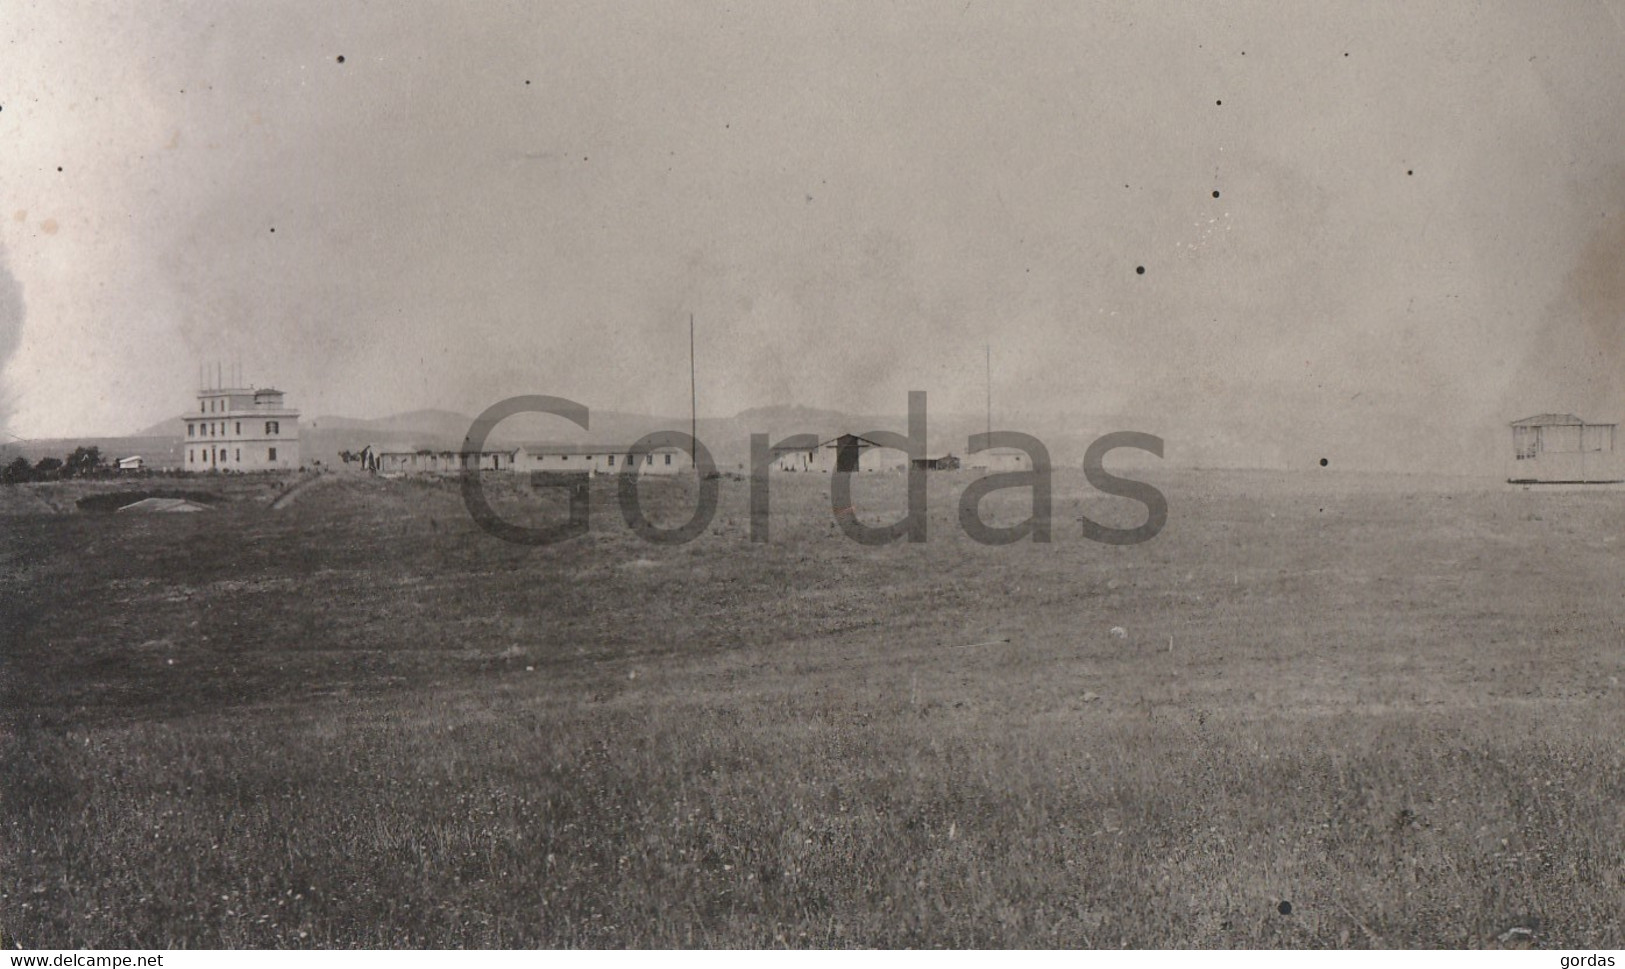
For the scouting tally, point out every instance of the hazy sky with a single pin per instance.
(1420, 229)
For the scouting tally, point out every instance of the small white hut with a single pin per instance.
(1563, 449)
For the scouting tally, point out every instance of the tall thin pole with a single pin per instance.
(693, 399)
(988, 349)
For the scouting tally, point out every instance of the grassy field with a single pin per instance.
(358, 721)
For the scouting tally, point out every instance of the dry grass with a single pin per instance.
(358, 721)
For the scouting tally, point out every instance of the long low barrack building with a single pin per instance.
(599, 459)
(846, 453)
(387, 460)
(557, 458)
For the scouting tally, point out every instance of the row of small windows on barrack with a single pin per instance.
(647, 458)
(211, 429)
(220, 455)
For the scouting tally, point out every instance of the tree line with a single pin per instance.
(84, 462)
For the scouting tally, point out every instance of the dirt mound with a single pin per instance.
(114, 500)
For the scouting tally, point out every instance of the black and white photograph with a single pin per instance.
(889, 475)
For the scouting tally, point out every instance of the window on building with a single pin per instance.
(189, 430)
(272, 455)
(239, 455)
(648, 459)
(612, 460)
(189, 457)
(201, 408)
(272, 427)
(239, 429)
(668, 459)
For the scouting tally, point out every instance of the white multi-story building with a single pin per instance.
(241, 429)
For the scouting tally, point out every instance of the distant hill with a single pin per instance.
(170, 427)
(436, 424)
(787, 415)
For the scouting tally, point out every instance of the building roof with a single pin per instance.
(396, 450)
(590, 448)
(1548, 420)
(1559, 420)
(862, 441)
(574, 448)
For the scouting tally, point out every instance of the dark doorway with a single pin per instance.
(846, 452)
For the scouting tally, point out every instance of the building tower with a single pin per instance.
(241, 429)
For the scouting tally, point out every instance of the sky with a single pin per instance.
(380, 207)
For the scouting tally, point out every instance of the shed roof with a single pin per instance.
(848, 439)
(1549, 420)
